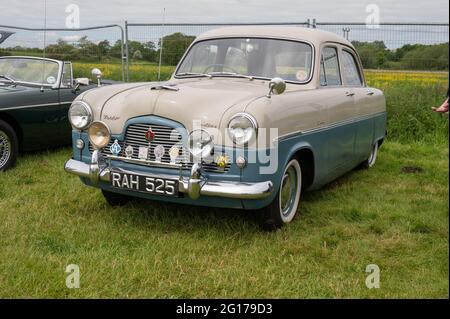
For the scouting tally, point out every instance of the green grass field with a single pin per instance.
(394, 217)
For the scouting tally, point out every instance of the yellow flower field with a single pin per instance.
(423, 78)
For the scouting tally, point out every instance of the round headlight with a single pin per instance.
(200, 144)
(99, 135)
(80, 115)
(242, 128)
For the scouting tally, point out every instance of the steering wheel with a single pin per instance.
(222, 65)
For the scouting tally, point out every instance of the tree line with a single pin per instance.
(374, 55)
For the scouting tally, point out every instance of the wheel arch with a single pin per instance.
(304, 153)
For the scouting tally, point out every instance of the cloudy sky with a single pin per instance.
(93, 12)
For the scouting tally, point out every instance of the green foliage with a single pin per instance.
(422, 57)
(174, 46)
(375, 55)
(409, 113)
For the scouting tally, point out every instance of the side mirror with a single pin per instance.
(78, 82)
(97, 74)
(276, 86)
(82, 81)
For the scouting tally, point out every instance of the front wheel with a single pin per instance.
(284, 207)
(9, 146)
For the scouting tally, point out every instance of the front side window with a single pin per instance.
(257, 57)
(350, 69)
(36, 71)
(329, 67)
(67, 75)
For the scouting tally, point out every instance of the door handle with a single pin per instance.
(370, 93)
(350, 93)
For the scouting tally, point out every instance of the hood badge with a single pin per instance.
(129, 151)
(159, 152)
(115, 148)
(149, 135)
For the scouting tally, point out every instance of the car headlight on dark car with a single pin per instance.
(242, 128)
(99, 135)
(200, 144)
(80, 115)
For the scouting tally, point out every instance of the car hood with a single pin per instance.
(201, 99)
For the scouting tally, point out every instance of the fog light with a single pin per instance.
(99, 135)
(79, 144)
(241, 162)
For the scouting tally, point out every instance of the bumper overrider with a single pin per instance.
(194, 186)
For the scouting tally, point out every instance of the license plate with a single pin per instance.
(144, 184)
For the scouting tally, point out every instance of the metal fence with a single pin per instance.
(102, 46)
(386, 46)
(134, 52)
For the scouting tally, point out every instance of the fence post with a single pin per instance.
(127, 62)
(121, 51)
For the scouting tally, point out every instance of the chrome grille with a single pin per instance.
(165, 136)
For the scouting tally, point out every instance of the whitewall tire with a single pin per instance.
(284, 207)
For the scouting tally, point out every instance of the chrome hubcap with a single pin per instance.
(288, 191)
(5, 149)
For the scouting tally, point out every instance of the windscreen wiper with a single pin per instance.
(213, 74)
(9, 79)
(193, 74)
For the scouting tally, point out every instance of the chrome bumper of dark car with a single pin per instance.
(194, 186)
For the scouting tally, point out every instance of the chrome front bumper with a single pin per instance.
(194, 186)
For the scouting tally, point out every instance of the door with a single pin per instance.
(352, 77)
(37, 111)
(340, 112)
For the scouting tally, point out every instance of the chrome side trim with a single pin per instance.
(329, 126)
(34, 105)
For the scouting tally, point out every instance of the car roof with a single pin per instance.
(314, 36)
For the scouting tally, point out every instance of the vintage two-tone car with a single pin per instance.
(35, 96)
(251, 117)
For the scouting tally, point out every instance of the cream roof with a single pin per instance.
(314, 36)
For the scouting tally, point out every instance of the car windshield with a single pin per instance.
(255, 57)
(38, 71)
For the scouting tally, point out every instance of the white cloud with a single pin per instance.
(71, 38)
(28, 13)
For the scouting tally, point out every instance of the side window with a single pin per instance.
(350, 68)
(67, 75)
(329, 67)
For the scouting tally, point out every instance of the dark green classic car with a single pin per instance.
(35, 96)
